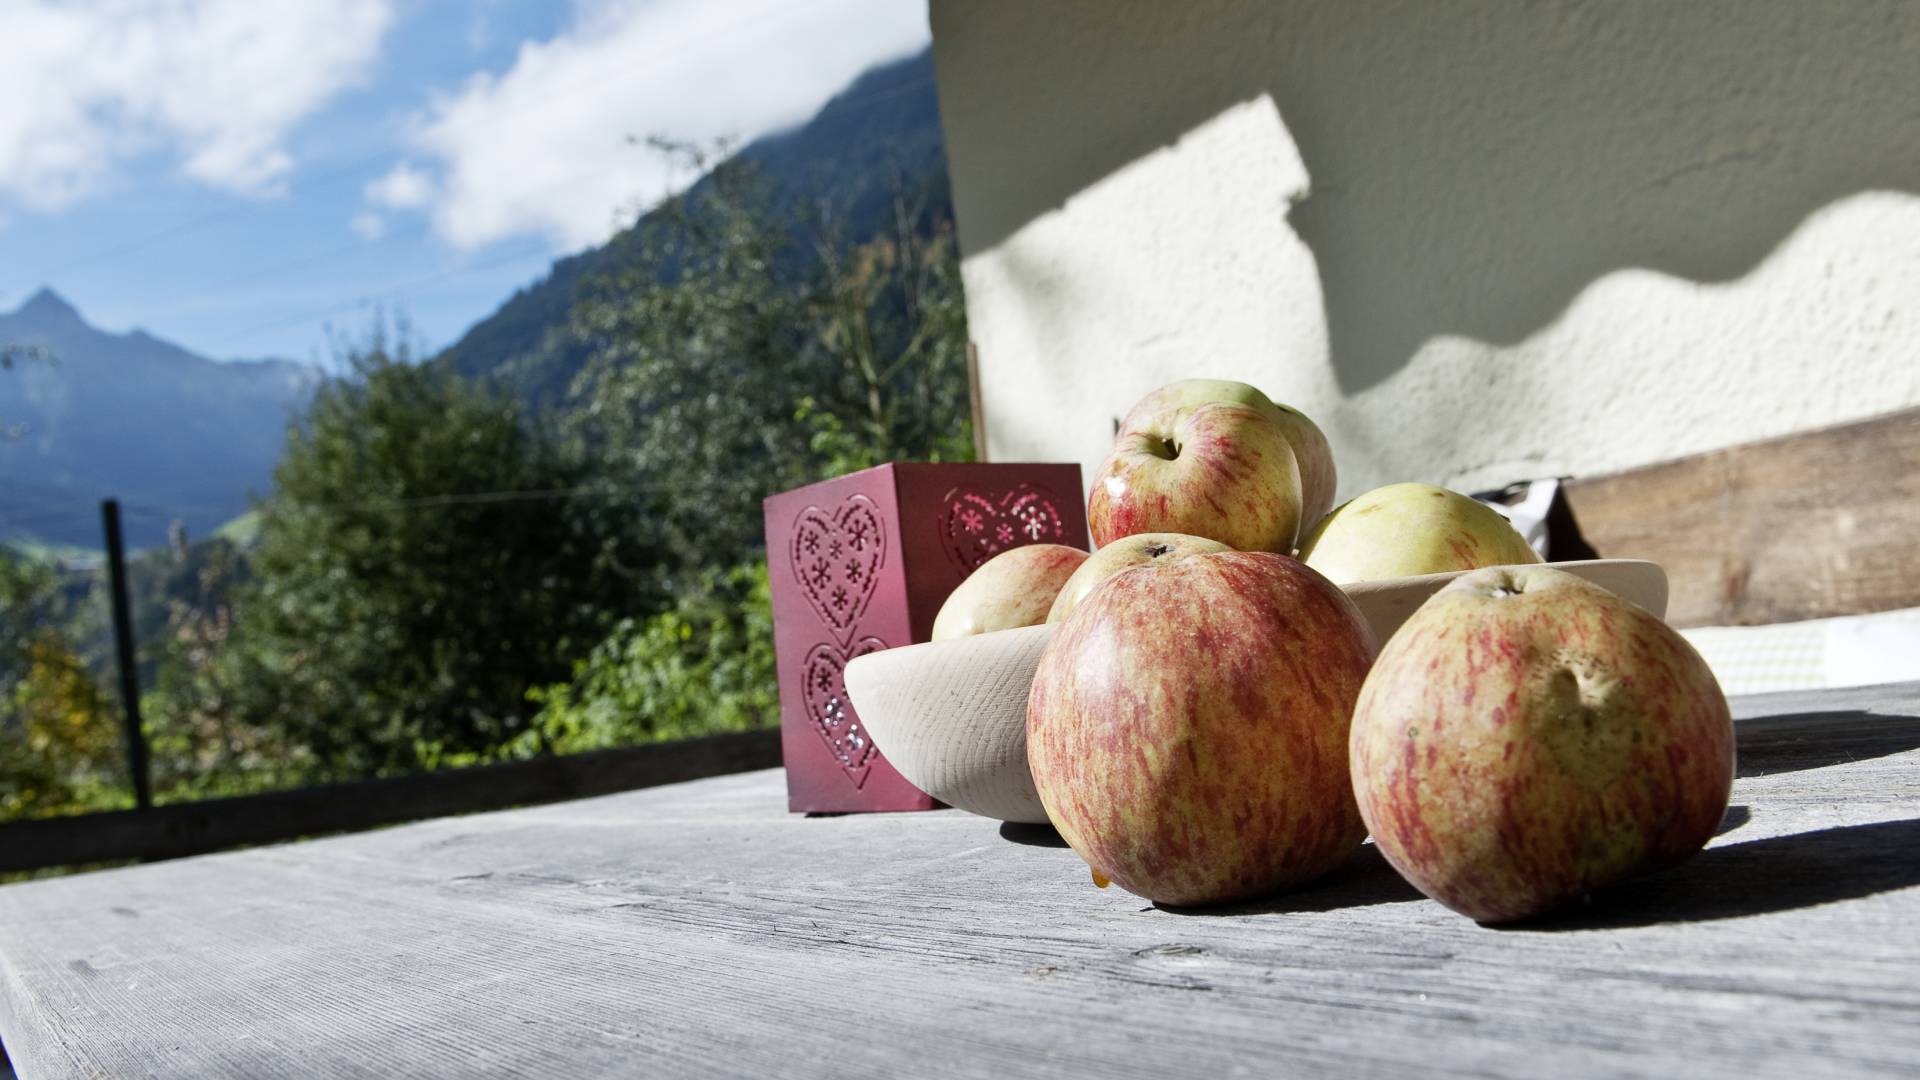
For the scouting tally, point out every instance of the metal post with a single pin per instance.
(123, 642)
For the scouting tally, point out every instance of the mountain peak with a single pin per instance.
(47, 308)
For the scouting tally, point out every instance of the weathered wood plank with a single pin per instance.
(699, 930)
(169, 832)
(1810, 525)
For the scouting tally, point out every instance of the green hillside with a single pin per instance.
(838, 173)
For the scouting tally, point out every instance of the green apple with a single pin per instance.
(1013, 589)
(1310, 447)
(1528, 737)
(1402, 530)
(1140, 549)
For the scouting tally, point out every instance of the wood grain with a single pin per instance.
(975, 405)
(1389, 602)
(698, 930)
(952, 717)
(1815, 524)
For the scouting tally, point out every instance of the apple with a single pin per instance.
(1014, 588)
(1528, 737)
(1406, 529)
(1140, 549)
(1218, 470)
(1310, 447)
(1187, 727)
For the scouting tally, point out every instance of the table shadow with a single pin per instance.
(1032, 835)
(1735, 817)
(1769, 745)
(1364, 880)
(1757, 877)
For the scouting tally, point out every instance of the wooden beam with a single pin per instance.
(979, 410)
(1809, 525)
(181, 829)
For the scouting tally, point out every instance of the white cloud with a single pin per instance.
(402, 188)
(368, 226)
(544, 148)
(219, 83)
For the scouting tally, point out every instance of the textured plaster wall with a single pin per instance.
(1477, 241)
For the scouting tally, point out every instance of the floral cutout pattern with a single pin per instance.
(836, 558)
(976, 525)
(824, 689)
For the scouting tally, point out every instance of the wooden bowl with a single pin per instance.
(952, 715)
(1388, 603)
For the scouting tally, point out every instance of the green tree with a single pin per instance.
(701, 667)
(717, 378)
(59, 736)
(698, 355)
(206, 723)
(422, 565)
(721, 378)
(889, 316)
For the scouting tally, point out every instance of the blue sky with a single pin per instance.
(238, 177)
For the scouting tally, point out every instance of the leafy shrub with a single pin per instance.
(701, 667)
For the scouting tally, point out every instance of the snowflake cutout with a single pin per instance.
(839, 596)
(971, 520)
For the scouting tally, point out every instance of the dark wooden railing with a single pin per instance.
(195, 828)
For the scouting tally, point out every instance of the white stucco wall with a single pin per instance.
(1477, 242)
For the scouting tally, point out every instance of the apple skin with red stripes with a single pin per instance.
(1127, 553)
(1311, 450)
(1528, 737)
(1013, 589)
(1187, 727)
(1219, 470)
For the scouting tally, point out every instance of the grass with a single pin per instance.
(242, 530)
(36, 550)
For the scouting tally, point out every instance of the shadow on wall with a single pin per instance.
(1473, 166)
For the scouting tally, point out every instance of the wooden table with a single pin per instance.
(700, 930)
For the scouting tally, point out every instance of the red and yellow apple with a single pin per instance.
(1406, 529)
(1310, 448)
(1527, 737)
(1014, 588)
(1140, 549)
(1187, 727)
(1218, 470)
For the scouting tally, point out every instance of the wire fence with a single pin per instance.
(182, 667)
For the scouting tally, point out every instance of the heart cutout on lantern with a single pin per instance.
(837, 558)
(829, 713)
(977, 525)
